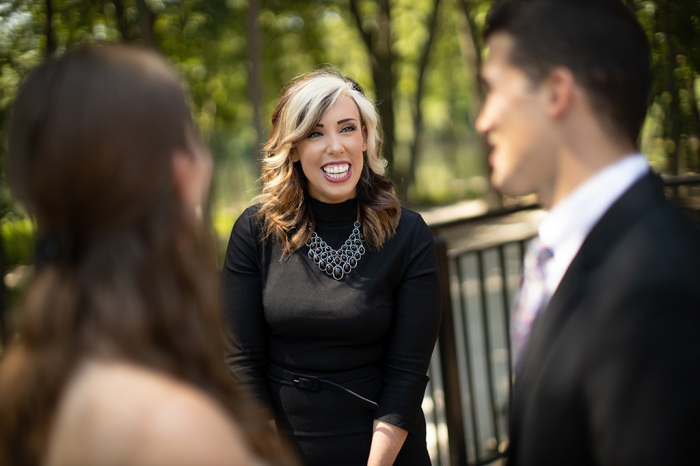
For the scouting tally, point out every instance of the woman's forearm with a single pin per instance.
(387, 440)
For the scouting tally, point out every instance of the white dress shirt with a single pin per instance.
(567, 224)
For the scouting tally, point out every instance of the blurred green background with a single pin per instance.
(418, 58)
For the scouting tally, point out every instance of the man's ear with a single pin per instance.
(561, 86)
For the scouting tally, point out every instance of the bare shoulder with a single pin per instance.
(131, 415)
(185, 426)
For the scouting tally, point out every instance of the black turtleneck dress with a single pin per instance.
(371, 332)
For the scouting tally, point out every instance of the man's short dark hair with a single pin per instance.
(600, 41)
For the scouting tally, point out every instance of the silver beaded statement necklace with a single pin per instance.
(337, 263)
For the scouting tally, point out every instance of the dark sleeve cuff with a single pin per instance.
(401, 405)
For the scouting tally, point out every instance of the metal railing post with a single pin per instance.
(448, 361)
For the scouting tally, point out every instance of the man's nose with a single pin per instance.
(482, 120)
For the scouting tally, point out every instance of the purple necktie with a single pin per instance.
(531, 298)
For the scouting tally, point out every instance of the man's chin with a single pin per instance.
(499, 183)
(508, 186)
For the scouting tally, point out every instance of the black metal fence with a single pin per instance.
(469, 392)
(479, 260)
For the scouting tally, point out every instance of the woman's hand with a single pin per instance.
(387, 440)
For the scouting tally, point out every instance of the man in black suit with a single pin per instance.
(609, 370)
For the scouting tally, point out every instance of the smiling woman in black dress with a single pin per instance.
(331, 288)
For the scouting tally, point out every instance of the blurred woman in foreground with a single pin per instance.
(118, 354)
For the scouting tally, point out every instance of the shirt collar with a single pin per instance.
(570, 221)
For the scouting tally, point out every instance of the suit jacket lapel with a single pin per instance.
(622, 215)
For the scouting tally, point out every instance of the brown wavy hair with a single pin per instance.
(130, 273)
(284, 206)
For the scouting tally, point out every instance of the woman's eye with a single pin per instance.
(313, 134)
(348, 128)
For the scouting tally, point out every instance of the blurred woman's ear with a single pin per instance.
(191, 177)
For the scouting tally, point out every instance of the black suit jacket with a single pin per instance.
(612, 372)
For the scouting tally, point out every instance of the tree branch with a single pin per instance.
(417, 109)
(366, 37)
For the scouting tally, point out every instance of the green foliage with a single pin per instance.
(17, 239)
(672, 132)
(209, 42)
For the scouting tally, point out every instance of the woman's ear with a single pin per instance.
(293, 155)
(364, 138)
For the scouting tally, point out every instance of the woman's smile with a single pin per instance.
(337, 172)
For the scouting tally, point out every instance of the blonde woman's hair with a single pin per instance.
(284, 205)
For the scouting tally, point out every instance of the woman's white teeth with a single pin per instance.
(336, 171)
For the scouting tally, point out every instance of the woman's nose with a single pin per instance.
(334, 144)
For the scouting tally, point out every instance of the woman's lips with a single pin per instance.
(336, 172)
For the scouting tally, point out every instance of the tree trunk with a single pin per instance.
(146, 20)
(122, 22)
(674, 130)
(50, 33)
(417, 108)
(4, 334)
(470, 45)
(255, 71)
(694, 118)
(383, 74)
(379, 49)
